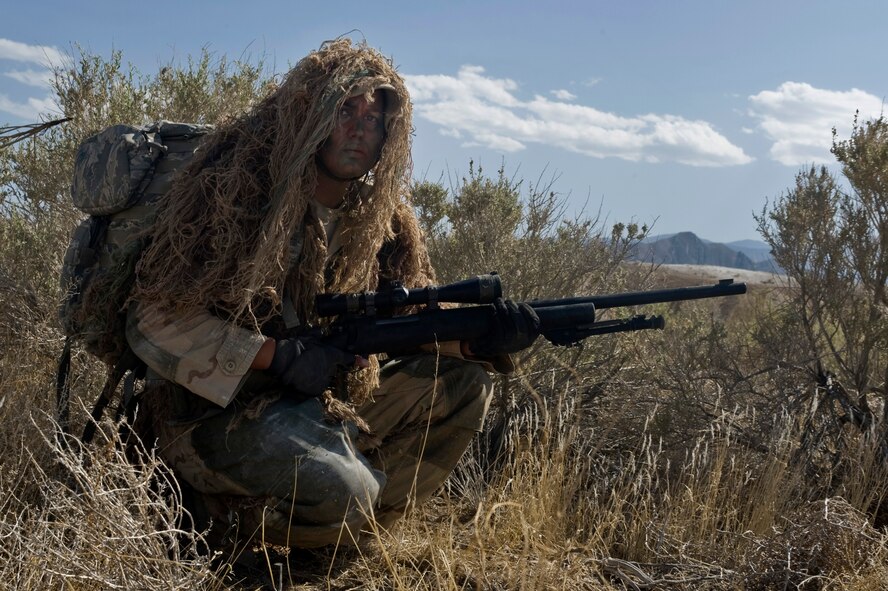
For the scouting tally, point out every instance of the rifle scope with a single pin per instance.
(481, 289)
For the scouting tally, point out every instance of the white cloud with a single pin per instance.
(487, 112)
(39, 55)
(39, 78)
(564, 95)
(469, 80)
(454, 133)
(798, 118)
(30, 109)
(35, 54)
(495, 142)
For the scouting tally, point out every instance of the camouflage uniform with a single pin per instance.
(269, 459)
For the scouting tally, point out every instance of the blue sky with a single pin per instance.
(689, 113)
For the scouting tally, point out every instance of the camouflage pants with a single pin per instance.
(285, 473)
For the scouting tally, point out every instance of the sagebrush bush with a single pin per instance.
(832, 239)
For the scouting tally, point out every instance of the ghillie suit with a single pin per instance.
(222, 240)
(240, 243)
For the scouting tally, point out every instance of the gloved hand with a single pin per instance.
(515, 327)
(307, 365)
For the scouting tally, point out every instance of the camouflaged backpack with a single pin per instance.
(119, 174)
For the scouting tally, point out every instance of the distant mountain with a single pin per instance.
(687, 249)
(754, 249)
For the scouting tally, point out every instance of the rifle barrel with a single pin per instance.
(725, 287)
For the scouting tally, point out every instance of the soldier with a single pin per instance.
(305, 194)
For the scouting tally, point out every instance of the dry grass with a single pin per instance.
(560, 513)
(565, 505)
(98, 522)
(575, 497)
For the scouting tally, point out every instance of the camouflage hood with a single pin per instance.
(221, 241)
(222, 238)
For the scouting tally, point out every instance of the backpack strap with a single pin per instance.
(128, 361)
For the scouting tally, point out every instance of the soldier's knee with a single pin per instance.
(478, 378)
(469, 392)
(346, 493)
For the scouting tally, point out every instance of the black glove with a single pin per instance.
(307, 365)
(514, 328)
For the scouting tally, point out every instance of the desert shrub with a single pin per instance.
(123, 532)
(830, 234)
(520, 230)
(36, 213)
(493, 223)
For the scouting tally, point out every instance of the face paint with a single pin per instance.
(356, 142)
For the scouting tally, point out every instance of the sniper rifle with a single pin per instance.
(366, 323)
